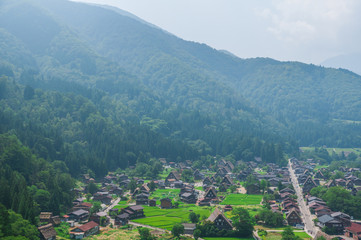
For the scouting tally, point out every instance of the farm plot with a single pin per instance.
(166, 218)
(242, 199)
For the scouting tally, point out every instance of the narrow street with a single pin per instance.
(310, 227)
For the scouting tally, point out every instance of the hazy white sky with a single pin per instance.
(298, 30)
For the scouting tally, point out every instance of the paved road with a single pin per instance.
(310, 227)
(113, 204)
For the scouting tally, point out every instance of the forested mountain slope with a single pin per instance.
(311, 102)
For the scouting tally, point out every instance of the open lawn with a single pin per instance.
(242, 199)
(166, 218)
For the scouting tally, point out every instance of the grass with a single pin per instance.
(121, 204)
(278, 235)
(242, 199)
(336, 150)
(166, 218)
(225, 238)
(165, 193)
(109, 233)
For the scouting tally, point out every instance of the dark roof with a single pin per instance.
(215, 214)
(136, 207)
(47, 231)
(124, 215)
(79, 212)
(88, 226)
(340, 214)
(46, 215)
(325, 218)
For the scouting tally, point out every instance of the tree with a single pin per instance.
(145, 234)
(92, 188)
(233, 188)
(288, 234)
(177, 230)
(132, 185)
(196, 234)
(152, 186)
(193, 217)
(96, 207)
(243, 222)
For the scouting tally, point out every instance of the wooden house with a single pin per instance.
(353, 231)
(134, 211)
(47, 232)
(328, 221)
(308, 185)
(88, 229)
(172, 177)
(189, 197)
(331, 183)
(227, 180)
(210, 194)
(152, 202)
(319, 174)
(78, 215)
(121, 219)
(198, 175)
(96, 217)
(166, 203)
(253, 189)
(293, 218)
(207, 181)
(219, 220)
(189, 228)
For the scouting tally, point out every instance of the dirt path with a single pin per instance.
(147, 226)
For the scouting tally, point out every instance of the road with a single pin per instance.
(310, 227)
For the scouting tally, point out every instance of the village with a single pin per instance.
(274, 196)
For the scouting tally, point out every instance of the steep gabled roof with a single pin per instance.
(217, 213)
(47, 231)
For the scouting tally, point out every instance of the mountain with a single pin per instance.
(346, 61)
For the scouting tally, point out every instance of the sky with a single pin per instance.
(309, 31)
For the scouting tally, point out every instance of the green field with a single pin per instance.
(166, 218)
(242, 199)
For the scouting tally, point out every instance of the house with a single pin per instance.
(142, 199)
(189, 197)
(96, 217)
(103, 197)
(293, 218)
(289, 190)
(219, 220)
(223, 188)
(342, 217)
(152, 202)
(349, 184)
(85, 230)
(45, 217)
(228, 208)
(47, 232)
(229, 165)
(144, 188)
(207, 181)
(331, 183)
(121, 219)
(227, 180)
(78, 215)
(166, 203)
(319, 174)
(133, 211)
(308, 184)
(354, 231)
(340, 182)
(122, 177)
(189, 228)
(253, 189)
(174, 176)
(210, 194)
(198, 175)
(242, 176)
(330, 222)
